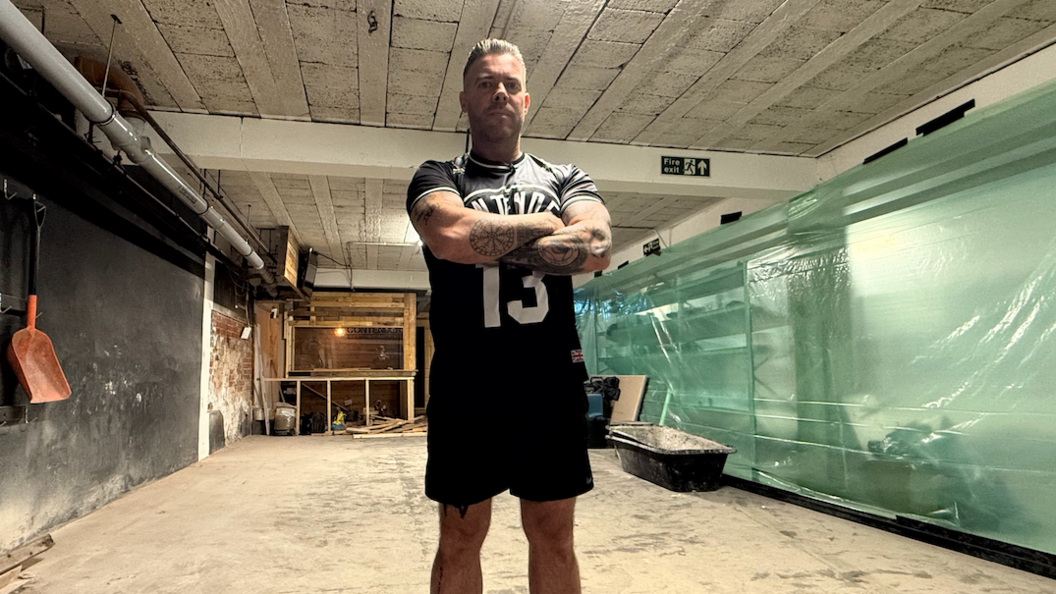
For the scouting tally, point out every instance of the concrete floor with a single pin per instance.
(322, 514)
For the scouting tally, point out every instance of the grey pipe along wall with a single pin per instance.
(20, 34)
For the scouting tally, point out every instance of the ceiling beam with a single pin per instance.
(622, 168)
(254, 144)
(569, 33)
(502, 19)
(372, 206)
(406, 255)
(271, 197)
(657, 206)
(971, 25)
(241, 29)
(373, 59)
(276, 36)
(139, 28)
(324, 202)
(477, 17)
(874, 24)
(784, 17)
(410, 236)
(1017, 69)
(686, 20)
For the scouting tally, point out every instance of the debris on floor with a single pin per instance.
(12, 578)
(389, 426)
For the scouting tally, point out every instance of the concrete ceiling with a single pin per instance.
(781, 78)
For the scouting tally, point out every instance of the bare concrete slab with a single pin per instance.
(333, 514)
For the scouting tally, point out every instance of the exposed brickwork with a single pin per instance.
(231, 374)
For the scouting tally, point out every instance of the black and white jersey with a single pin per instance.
(501, 317)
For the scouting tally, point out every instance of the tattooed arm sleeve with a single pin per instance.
(582, 246)
(467, 236)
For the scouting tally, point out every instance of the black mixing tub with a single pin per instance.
(673, 459)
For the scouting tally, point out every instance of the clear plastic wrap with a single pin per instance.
(886, 341)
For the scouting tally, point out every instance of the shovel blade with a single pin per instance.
(32, 356)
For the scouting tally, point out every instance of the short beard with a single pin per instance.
(487, 133)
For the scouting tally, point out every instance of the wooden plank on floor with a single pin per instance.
(386, 435)
(25, 552)
(9, 576)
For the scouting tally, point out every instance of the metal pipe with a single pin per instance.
(24, 38)
(194, 170)
(130, 104)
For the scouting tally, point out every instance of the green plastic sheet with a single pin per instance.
(886, 341)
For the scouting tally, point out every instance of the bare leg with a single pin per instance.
(456, 569)
(552, 567)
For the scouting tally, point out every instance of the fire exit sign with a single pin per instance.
(685, 166)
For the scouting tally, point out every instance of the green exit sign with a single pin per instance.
(685, 166)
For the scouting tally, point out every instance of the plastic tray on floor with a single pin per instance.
(673, 459)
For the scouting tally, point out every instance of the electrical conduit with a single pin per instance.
(35, 49)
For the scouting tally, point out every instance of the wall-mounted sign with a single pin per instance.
(685, 166)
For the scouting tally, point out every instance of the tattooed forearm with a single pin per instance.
(582, 247)
(556, 254)
(424, 210)
(494, 238)
(600, 241)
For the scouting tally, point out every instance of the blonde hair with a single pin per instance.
(488, 47)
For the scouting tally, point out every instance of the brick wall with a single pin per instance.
(231, 375)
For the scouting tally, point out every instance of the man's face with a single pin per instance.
(494, 97)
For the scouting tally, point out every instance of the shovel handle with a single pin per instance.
(31, 312)
(34, 246)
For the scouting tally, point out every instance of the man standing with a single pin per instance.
(503, 232)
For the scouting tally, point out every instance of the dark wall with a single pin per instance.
(127, 329)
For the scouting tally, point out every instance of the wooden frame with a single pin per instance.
(353, 310)
(406, 376)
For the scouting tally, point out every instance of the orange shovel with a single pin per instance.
(31, 354)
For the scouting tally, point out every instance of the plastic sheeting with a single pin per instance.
(886, 341)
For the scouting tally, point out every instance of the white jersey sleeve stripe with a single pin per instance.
(430, 191)
(579, 197)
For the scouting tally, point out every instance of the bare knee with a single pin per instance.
(462, 533)
(548, 525)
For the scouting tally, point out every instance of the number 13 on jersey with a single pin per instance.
(515, 307)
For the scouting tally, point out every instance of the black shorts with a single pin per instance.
(525, 434)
